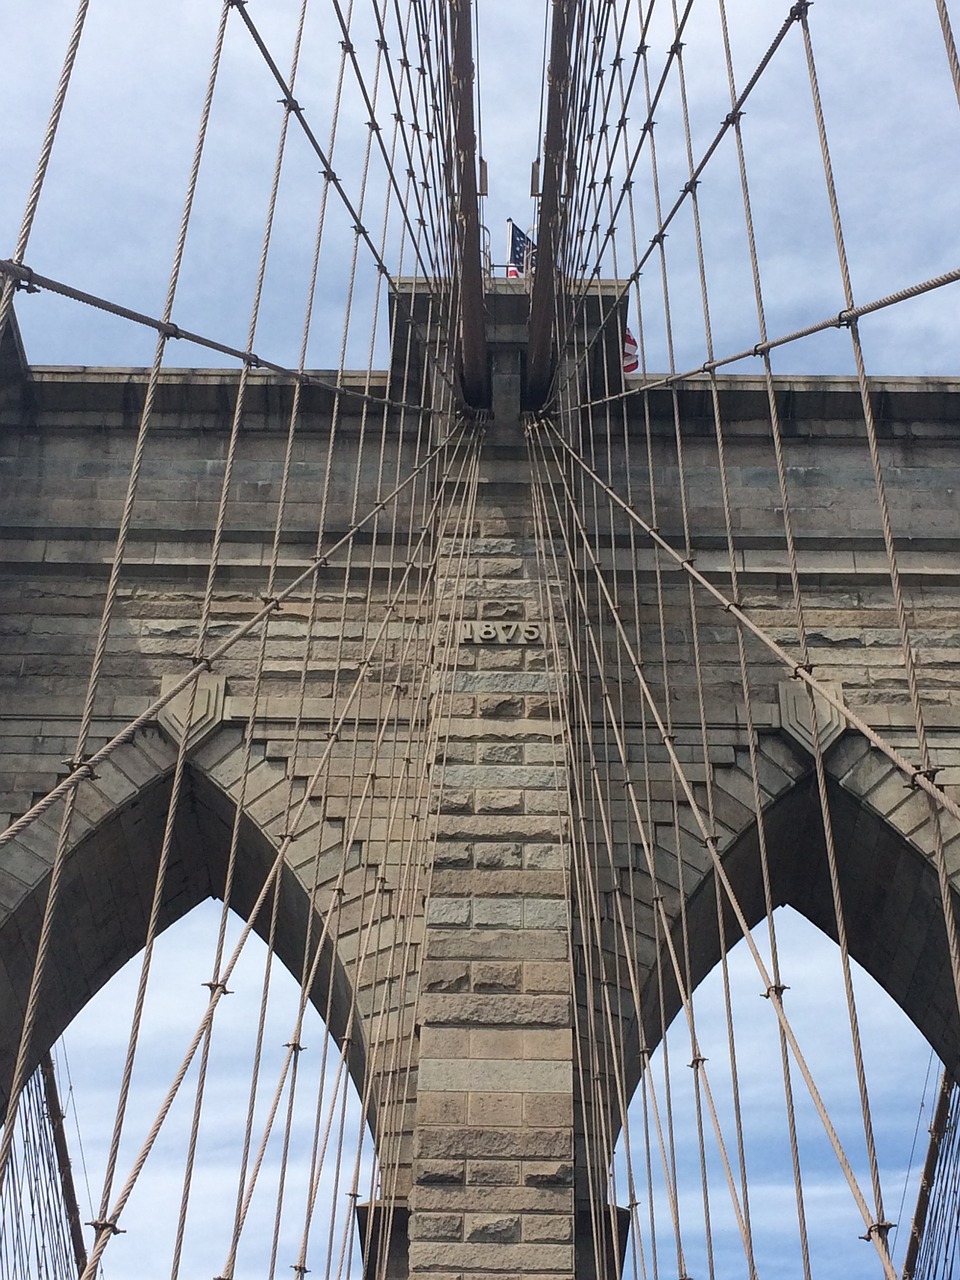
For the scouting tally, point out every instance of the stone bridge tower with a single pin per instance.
(457, 882)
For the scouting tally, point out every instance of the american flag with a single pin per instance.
(631, 356)
(523, 253)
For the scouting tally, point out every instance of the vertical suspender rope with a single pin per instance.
(46, 150)
(56, 873)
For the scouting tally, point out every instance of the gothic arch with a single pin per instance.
(108, 886)
(889, 886)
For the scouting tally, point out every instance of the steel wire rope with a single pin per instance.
(378, 494)
(306, 986)
(681, 489)
(422, 782)
(43, 162)
(679, 976)
(148, 716)
(606, 710)
(103, 1224)
(916, 775)
(903, 625)
(949, 44)
(582, 890)
(666, 1150)
(263, 638)
(710, 843)
(464, 519)
(645, 134)
(294, 107)
(583, 113)
(707, 155)
(589, 188)
(220, 988)
(391, 1103)
(80, 751)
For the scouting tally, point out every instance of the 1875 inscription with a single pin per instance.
(501, 633)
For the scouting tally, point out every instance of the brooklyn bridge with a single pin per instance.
(480, 665)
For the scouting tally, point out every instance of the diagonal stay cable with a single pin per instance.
(108, 1227)
(711, 844)
(839, 320)
(26, 278)
(127, 733)
(915, 773)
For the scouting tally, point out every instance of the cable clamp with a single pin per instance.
(797, 12)
(290, 103)
(930, 774)
(321, 562)
(733, 117)
(845, 319)
(104, 1224)
(199, 660)
(329, 174)
(217, 986)
(76, 763)
(168, 330)
(346, 46)
(299, 1268)
(26, 283)
(295, 1045)
(775, 989)
(676, 48)
(880, 1229)
(690, 187)
(290, 835)
(275, 604)
(252, 360)
(697, 1062)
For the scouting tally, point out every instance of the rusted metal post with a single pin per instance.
(544, 298)
(473, 345)
(937, 1130)
(55, 1114)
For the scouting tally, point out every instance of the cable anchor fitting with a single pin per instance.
(799, 10)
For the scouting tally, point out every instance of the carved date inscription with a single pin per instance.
(501, 633)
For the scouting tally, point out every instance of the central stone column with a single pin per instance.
(494, 1145)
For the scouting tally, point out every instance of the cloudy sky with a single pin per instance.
(115, 189)
(107, 224)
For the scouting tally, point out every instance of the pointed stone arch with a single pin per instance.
(893, 913)
(107, 889)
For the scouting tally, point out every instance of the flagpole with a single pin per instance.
(509, 243)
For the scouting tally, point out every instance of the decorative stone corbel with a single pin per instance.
(795, 714)
(207, 714)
